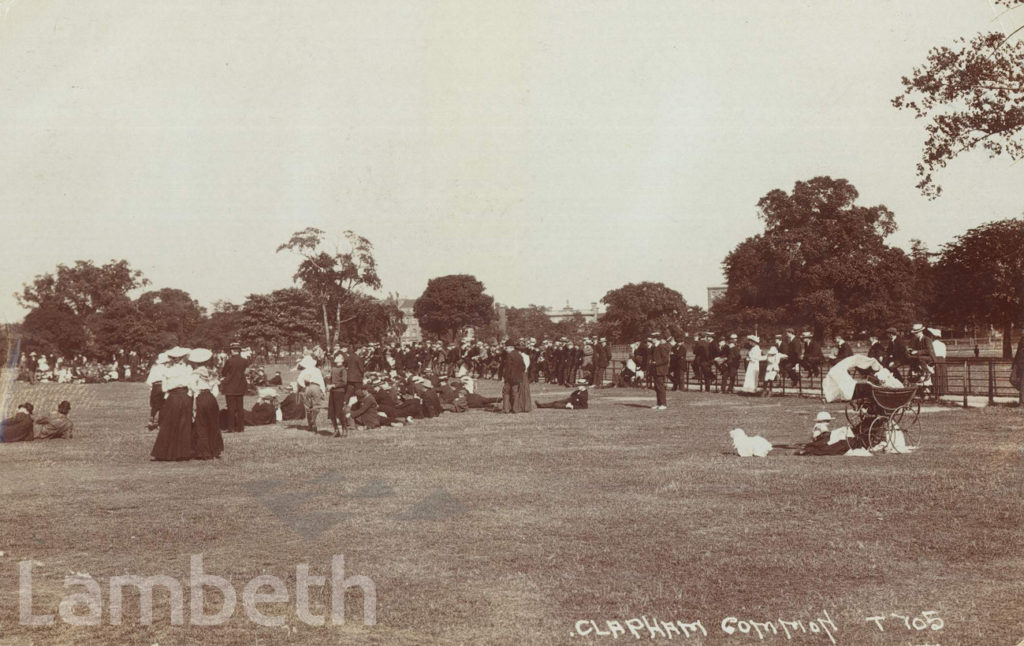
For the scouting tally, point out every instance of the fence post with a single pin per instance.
(991, 382)
(967, 380)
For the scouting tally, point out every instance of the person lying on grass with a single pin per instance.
(577, 399)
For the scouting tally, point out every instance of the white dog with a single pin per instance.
(749, 446)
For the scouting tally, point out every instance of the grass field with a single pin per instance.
(482, 528)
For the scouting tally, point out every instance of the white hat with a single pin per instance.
(267, 393)
(823, 416)
(307, 362)
(199, 355)
(177, 352)
(773, 350)
(161, 358)
(917, 328)
(753, 337)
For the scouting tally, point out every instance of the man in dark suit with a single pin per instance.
(794, 351)
(233, 385)
(895, 353)
(732, 364)
(601, 358)
(513, 372)
(843, 349)
(353, 372)
(812, 356)
(702, 362)
(876, 350)
(658, 359)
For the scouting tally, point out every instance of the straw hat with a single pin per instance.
(199, 355)
(823, 416)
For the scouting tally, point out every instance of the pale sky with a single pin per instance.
(555, 150)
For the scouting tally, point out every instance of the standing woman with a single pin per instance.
(754, 358)
(524, 399)
(156, 390)
(174, 440)
(207, 442)
(1017, 371)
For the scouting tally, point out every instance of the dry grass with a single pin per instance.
(537, 521)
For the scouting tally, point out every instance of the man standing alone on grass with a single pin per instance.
(659, 358)
(234, 386)
(513, 371)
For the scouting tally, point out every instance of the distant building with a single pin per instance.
(715, 293)
(412, 333)
(568, 312)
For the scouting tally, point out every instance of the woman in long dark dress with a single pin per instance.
(174, 440)
(207, 441)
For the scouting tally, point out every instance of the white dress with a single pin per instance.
(754, 358)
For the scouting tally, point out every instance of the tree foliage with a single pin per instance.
(284, 318)
(531, 321)
(821, 261)
(981, 275)
(635, 310)
(54, 328)
(82, 288)
(971, 96)
(451, 304)
(331, 273)
(172, 311)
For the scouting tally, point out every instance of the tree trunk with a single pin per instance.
(337, 324)
(327, 327)
(1008, 340)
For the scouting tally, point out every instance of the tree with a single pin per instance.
(121, 325)
(821, 261)
(972, 96)
(83, 288)
(372, 320)
(220, 328)
(451, 304)
(53, 328)
(635, 310)
(529, 322)
(981, 277)
(331, 273)
(282, 318)
(172, 311)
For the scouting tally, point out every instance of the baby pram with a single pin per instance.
(879, 410)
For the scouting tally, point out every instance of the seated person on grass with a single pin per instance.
(57, 425)
(19, 427)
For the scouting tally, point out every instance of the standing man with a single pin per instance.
(702, 363)
(601, 358)
(234, 386)
(659, 357)
(513, 372)
(732, 364)
(794, 351)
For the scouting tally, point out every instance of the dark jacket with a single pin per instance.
(661, 355)
(514, 368)
(233, 376)
(354, 368)
(17, 429)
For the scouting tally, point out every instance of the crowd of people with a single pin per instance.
(396, 384)
(717, 360)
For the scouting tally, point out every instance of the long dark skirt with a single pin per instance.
(207, 440)
(174, 441)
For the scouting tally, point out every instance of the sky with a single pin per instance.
(554, 150)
